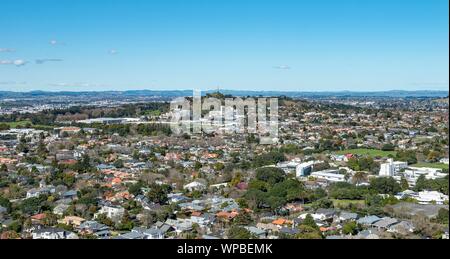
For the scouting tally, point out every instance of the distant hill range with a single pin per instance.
(183, 93)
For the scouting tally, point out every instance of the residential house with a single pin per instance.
(132, 235)
(36, 192)
(53, 233)
(368, 220)
(289, 231)
(115, 213)
(403, 227)
(385, 223)
(260, 233)
(155, 233)
(195, 186)
(347, 216)
(268, 227)
(3, 211)
(72, 221)
(368, 234)
(60, 209)
(321, 214)
(95, 228)
(180, 225)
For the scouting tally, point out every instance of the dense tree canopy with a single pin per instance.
(385, 185)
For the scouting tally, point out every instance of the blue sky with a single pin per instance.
(295, 45)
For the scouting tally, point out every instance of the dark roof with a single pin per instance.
(291, 231)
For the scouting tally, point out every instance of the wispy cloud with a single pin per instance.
(113, 52)
(78, 85)
(42, 61)
(284, 67)
(56, 42)
(7, 50)
(16, 62)
(12, 83)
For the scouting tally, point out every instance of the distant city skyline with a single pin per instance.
(284, 45)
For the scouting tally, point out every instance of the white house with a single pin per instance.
(427, 197)
(53, 233)
(112, 212)
(195, 186)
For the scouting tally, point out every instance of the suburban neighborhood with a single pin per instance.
(341, 170)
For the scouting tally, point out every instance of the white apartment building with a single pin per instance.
(425, 197)
(433, 197)
(413, 173)
(305, 169)
(391, 168)
(329, 175)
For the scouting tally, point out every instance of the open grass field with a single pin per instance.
(431, 165)
(16, 124)
(368, 152)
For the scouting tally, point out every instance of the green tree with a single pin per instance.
(324, 203)
(270, 158)
(350, 228)
(310, 222)
(69, 180)
(388, 147)
(385, 185)
(406, 156)
(443, 216)
(308, 232)
(237, 232)
(5, 203)
(4, 126)
(158, 193)
(359, 177)
(118, 163)
(136, 188)
(421, 183)
(433, 156)
(84, 165)
(243, 219)
(126, 224)
(404, 184)
(219, 166)
(271, 175)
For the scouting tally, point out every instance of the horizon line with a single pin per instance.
(216, 90)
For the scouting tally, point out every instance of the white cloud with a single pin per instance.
(17, 62)
(42, 61)
(78, 85)
(55, 43)
(7, 50)
(12, 83)
(20, 62)
(113, 51)
(284, 67)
